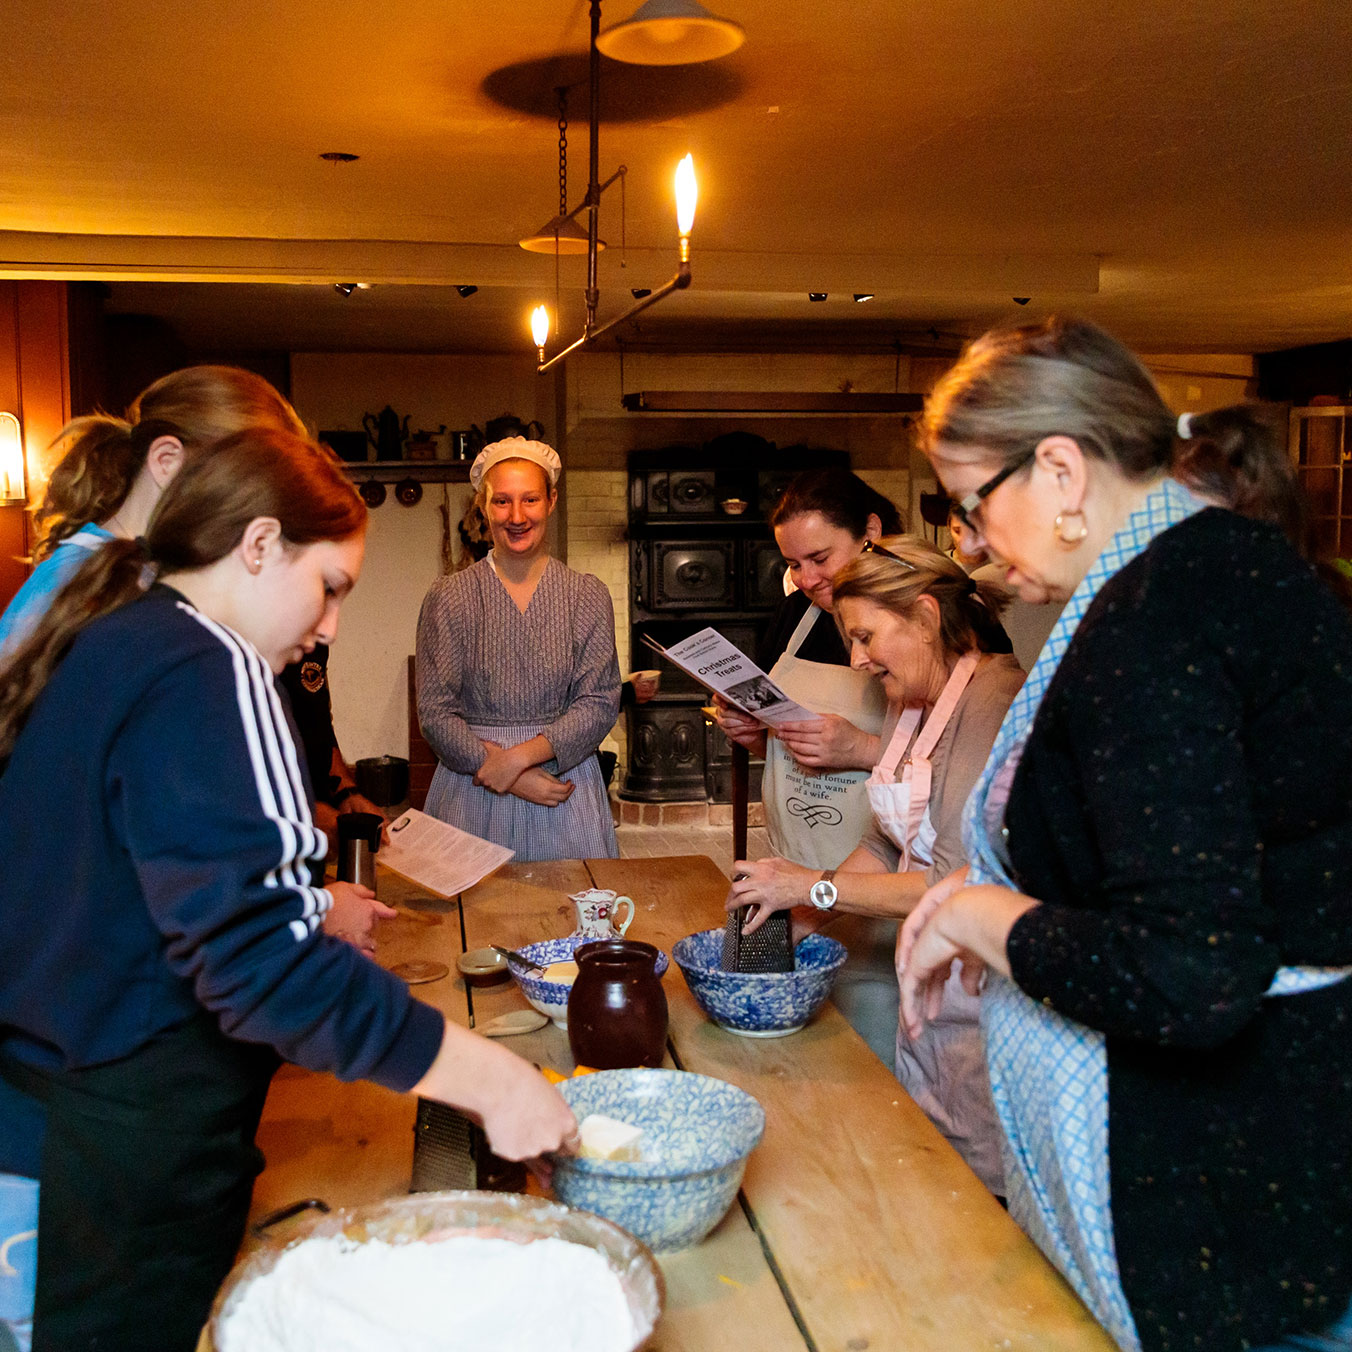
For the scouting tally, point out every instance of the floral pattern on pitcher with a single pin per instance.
(596, 910)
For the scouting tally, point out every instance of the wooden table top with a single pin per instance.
(858, 1227)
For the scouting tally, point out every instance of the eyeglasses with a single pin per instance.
(871, 548)
(964, 507)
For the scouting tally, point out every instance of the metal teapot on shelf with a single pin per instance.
(386, 432)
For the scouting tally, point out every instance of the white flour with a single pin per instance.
(461, 1294)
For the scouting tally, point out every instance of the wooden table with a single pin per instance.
(858, 1227)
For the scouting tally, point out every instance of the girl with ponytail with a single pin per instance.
(113, 470)
(163, 898)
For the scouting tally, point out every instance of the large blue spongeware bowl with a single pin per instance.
(759, 1004)
(697, 1134)
(551, 997)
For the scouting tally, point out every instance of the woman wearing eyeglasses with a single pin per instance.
(1161, 860)
(915, 620)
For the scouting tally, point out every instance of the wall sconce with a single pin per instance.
(11, 459)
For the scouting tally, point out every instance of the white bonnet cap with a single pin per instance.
(515, 448)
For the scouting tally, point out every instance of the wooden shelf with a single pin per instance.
(426, 471)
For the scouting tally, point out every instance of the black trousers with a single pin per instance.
(147, 1171)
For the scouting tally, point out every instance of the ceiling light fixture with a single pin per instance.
(562, 234)
(344, 288)
(466, 291)
(861, 296)
(687, 194)
(671, 33)
(816, 296)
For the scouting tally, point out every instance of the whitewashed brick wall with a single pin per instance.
(597, 514)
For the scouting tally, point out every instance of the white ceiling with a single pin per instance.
(1178, 171)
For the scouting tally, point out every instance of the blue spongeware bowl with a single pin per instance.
(759, 1004)
(697, 1134)
(551, 997)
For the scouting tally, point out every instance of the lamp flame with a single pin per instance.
(539, 326)
(687, 194)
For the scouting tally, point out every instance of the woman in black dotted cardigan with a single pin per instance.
(1161, 886)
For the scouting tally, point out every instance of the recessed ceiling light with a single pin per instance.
(338, 156)
(861, 296)
(816, 295)
(466, 291)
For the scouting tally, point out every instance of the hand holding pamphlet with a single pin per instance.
(727, 671)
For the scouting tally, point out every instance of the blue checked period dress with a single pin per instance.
(486, 671)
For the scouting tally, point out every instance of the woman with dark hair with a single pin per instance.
(1160, 886)
(163, 901)
(816, 807)
(914, 619)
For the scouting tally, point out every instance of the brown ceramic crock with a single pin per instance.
(617, 1010)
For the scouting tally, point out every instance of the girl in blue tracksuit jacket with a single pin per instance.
(162, 906)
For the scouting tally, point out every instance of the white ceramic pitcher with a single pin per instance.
(597, 909)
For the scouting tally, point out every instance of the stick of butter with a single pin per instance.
(603, 1138)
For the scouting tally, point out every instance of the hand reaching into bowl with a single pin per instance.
(523, 1115)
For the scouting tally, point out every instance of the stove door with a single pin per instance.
(691, 575)
(763, 571)
(692, 492)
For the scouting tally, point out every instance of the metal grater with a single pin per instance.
(770, 949)
(450, 1151)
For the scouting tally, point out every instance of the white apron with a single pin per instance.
(817, 820)
(944, 1069)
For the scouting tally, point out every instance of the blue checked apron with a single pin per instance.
(1049, 1075)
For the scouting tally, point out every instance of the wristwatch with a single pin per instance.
(823, 893)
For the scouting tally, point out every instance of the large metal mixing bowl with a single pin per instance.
(405, 1220)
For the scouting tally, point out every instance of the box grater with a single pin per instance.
(450, 1151)
(769, 949)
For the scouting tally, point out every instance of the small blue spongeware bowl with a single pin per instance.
(551, 997)
(759, 1004)
(697, 1135)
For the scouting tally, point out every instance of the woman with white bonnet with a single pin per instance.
(518, 679)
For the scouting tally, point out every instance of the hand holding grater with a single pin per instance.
(769, 949)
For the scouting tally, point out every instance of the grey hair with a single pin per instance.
(1013, 387)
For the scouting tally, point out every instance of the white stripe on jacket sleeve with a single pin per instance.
(276, 774)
